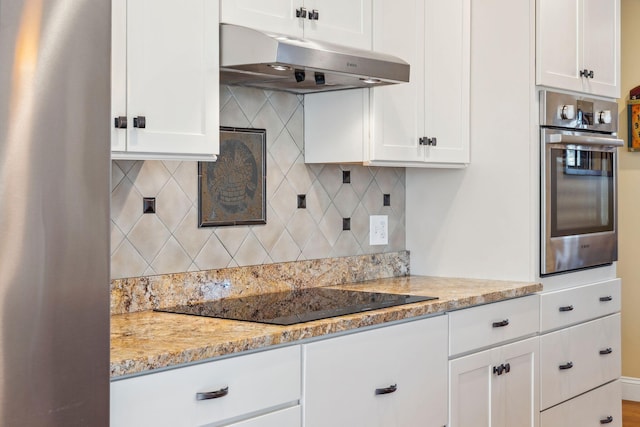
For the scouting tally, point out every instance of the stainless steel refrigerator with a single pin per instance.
(54, 212)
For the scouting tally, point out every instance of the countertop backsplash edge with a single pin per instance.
(135, 294)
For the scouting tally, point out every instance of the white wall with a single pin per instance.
(482, 221)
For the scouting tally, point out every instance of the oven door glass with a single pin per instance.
(582, 194)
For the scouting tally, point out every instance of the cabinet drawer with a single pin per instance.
(579, 358)
(255, 383)
(391, 376)
(289, 417)
(591, 409)
(490, 324)
(574, 305)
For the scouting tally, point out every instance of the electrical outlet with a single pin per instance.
(378, 230)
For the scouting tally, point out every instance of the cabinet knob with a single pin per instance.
(566, 308)
(208, 395)
(314, 15)
(566, 366)
(387, 390)
(120, 122)
(140, 122)
(607, 420)
(301, 13)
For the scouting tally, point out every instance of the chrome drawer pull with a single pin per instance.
(566, 308)
(387, 390)
(212, 394)
(608, 350)
(505, 322)
(607, 420)
(568, 365)
(605, 299)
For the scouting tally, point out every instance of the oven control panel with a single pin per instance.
(578, 112)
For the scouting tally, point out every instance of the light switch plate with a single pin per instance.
(378, 230)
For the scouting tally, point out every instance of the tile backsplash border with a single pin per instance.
(146, 293)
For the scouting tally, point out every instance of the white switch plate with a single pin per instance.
(378, 230)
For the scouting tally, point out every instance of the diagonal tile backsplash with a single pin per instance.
(170, 241)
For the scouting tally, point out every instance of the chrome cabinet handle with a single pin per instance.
(208, 395)
(387, 390)
(607, 350)
(120, 122)
(140, 122)
(501, 324)
(301, 13)
(606, 299)
(607, 420)
(566, 366)
(566, 308)
(314, 15)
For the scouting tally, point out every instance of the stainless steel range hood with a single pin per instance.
(277, 62)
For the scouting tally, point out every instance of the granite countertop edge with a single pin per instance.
(147, 341)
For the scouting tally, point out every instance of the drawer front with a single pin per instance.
(602, 406)
(393, 376)
(579, 358)
(289, 417)
(490, 324)
(574, 305)
(255, 382)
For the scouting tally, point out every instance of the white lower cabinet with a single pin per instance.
(495, 387)
(602, 406)
(254, 390)
(395, 376)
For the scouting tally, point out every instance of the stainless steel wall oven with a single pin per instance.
(578, 182)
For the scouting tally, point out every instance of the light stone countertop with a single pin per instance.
(148, 340)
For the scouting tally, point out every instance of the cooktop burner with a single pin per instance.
(291, 307)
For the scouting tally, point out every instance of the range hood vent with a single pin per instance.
(270, 61)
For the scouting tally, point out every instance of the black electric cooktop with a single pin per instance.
(291, 307)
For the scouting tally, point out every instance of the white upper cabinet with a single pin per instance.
(426, 120)
(165, 79)
(578, 45)
(421, 123)
(335, 21)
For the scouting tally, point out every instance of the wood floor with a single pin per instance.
(630, 414)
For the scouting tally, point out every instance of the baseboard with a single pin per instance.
(630, 388)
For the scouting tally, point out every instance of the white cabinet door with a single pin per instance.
(398, 110)
(342, 22)
(601, 46)
(434, 37)
(495, 387)
(278, 16)
(346, 23)
(447, 81)
(394, 376)
(171, 78)
(575, 36)
(558, 57)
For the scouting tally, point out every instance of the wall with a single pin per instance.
(481, 221)
(629, 198)
(170, 240)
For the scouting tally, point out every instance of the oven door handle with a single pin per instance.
(585, 140)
